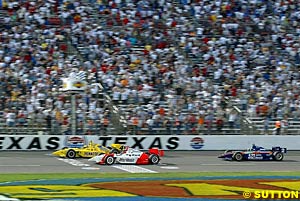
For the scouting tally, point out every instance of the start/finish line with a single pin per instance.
(133, 169)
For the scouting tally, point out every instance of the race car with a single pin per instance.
(130, 156)
(88, 151)
(255, 153)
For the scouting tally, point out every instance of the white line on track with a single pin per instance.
(20, 165)
(170, 167)
(236, 164)
(90, 168)
(239, 164)
(73, 162)
(133, 169)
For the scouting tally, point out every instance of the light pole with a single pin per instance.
(73, 114)
(74, 84)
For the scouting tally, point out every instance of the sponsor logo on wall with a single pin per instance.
(197, 143)
(75, 141)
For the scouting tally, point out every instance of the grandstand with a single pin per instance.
(153, 67)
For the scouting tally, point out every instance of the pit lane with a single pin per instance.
(173, 161)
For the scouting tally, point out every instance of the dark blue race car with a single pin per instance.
(255, 153)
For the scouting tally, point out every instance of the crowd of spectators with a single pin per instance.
(33, 59)
(177, 65)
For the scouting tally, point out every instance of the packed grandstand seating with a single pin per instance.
(153, 67)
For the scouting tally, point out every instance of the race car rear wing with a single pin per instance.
(156, 151)
(283, 150)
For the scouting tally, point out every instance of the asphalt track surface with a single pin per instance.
(173, 161)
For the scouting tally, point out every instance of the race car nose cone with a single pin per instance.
(56, 153)
(92, 159)
(96, 158)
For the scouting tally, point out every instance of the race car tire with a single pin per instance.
(109, 160)
(71, 154)
(237, 156)
(278, 156)
(154, 159)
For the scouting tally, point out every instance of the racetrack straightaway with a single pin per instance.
(173, 161)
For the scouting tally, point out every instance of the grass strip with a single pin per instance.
(9, 177)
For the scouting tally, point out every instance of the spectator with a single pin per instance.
(266, 125)
(178, 123)
(285, 125)
(150, 125)
(232, 118)
(21, 118)
(219, 123)
(168, 125)
(10, 118)
(201, 121)
(277, 127)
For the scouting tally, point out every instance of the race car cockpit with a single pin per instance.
(256, 148)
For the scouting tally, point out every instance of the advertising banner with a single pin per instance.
(166, 142)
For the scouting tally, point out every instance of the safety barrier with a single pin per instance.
(169, 142)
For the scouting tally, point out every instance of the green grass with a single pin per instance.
(30, 176)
